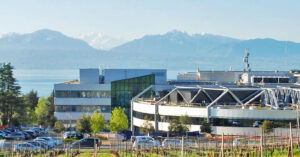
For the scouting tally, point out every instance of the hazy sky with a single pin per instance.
(128, 19)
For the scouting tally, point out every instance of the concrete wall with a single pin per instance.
(219, 130)
(98, 87)
(217, 113)
(89, 76)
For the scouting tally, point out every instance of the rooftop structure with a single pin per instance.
(217, 104)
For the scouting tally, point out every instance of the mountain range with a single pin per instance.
(176, 50)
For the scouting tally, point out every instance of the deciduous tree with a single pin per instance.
(83, 124)
(147, 126)
(267, 126)
(118, 120)
(59, 127)
(41, 111)
(97, 122)
(176, 127)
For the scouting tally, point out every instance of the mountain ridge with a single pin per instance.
(173, 50)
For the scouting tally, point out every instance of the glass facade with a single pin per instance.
(82, 108)
(82, 94)
(122, 91)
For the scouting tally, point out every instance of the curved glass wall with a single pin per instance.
(122, 91)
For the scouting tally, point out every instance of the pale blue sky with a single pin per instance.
(129, 19)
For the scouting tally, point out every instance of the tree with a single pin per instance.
(59, 127)
(118, 120)
(186, 121)
(267, 126)
(83, 124)
(10, 100)
(31, 99)
(41, 111)
(97, 122)
(176, 127)
(147, 127)
(51, 108)
(205, 127)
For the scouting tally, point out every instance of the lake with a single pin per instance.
(44, 80)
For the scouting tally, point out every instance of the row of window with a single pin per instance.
(270, 80)
(82, 94)
(82, 108)
(150, 117)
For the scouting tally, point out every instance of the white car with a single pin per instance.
(50, 141)
(145, 141)
(175, 143)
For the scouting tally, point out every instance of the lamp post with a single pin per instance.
(28, 119)
(70, 119)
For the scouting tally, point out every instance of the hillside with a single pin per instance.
(175, 50)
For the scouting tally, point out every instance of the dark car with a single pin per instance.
(126, 133)
(86, 143)
(32, 133)
(79, 135)
(27, 135)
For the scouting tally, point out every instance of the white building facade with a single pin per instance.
(93, 92)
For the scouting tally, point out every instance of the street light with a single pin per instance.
(28, 119)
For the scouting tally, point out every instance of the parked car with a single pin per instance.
(27, 135)
(17, 135)
(175, 143)
(39, 144)
(49, 146)
(31, 132)
(51, 141)
(88, 142)
(4, 134)
(73, 134)
(171, 142)
(39, 131)
(26, 146)
(145, 141)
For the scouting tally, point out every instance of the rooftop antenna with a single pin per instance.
(246, 61)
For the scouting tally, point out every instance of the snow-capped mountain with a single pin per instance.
(100, 41)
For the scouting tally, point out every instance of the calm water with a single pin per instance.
(44, 80)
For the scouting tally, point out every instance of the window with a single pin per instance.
(82, 108)
(82, 94)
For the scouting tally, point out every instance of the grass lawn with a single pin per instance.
(90, 153)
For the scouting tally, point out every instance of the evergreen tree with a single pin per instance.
(205, 127)
(10, 101)
(118, 120)
(83, 124)
(51, 108)
(31, 99)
